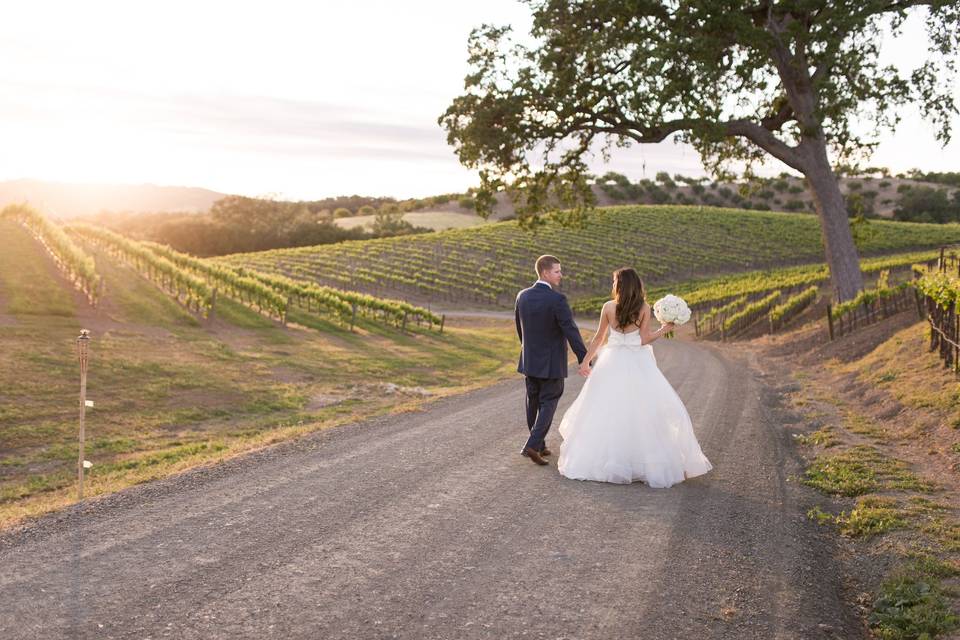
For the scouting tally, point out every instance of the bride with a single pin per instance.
(628, 423)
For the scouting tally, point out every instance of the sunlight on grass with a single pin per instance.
(173, 392)
(28, 279)
(860, 470)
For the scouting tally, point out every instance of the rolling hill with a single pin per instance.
(486, 265)
(873, 196)
(172, 390)
(68, 200)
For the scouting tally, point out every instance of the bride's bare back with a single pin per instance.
(609, 312)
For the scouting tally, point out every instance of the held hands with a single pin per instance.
(585, 368)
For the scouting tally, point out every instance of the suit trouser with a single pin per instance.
(543, 395)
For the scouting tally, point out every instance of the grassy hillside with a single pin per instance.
(486, 265)
(883, 446)
(870, 195)
(64, 199)
(436, 220)
(172, 391)
(864, 194)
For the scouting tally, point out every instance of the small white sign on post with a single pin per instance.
(89, 404)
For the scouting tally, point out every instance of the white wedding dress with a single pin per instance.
(628, 423)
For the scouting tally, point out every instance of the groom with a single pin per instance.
(545, 325)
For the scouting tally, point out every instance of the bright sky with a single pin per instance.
(295, 99)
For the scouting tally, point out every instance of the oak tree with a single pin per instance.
(801, 81)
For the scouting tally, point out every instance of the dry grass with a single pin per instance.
(172, 393)
(886, 416)
(435, 220)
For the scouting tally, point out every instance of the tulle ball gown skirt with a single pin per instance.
(628, 423)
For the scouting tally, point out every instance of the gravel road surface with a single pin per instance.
(431, 525)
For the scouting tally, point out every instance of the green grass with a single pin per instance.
(238, 315)
(897, 516)
(872, 516)
(172, 391)
(488, 264)
(29, 284)
(134, 299)
(863, 425)
(825, 437)
(861, 470)
(913, 604)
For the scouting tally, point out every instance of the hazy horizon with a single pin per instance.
(296, 102)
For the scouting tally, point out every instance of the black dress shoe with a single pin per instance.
(534, 455)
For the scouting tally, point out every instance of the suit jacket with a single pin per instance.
(545, 326)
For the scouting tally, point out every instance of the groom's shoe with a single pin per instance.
(534, 455)
(545, 452)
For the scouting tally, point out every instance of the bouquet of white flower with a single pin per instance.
(670, 308)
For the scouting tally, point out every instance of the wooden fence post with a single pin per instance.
(830, 319)
(443, 319)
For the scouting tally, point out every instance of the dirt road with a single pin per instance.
(431, 525)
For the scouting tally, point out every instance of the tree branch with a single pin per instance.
(776, 121)
(765, 139)
(758, 134)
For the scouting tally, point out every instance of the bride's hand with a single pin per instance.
(668, 327)
(585, 369)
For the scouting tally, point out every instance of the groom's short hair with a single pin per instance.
(546, 262)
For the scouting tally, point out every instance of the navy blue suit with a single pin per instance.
(545, 325)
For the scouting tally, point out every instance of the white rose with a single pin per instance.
(670, 308)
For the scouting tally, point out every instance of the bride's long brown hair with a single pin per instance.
(629, 295)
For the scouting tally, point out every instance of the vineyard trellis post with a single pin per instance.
(830, 319)
(83, 353)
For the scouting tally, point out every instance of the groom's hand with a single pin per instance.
(585, 369)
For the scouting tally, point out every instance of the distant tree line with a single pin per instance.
(926, 204)
(949, 178)
(238, 224)
(916, 203)
(349, 206)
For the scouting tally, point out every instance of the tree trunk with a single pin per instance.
(841, 252)
(799, 87)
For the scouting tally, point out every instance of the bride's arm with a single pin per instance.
(597, 340)
(646, 335)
